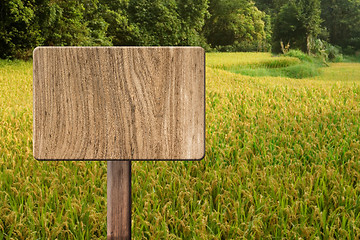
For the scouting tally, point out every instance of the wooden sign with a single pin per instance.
(119, 103)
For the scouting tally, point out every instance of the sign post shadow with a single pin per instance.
(119, 104)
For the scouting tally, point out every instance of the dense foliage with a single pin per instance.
(237, 24)
(342, 21)
(298, 24)
(314, 26)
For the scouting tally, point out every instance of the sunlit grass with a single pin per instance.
(349, 72)
(294, 65)
(42, 200)
(251, 60)
(282, 162)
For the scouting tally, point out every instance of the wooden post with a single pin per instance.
(119, 200)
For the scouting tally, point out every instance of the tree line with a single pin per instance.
(313, 26)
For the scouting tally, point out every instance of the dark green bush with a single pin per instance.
(333, 53)
(300, 55)
(305, 70)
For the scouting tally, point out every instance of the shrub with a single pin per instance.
(326, 51)
(333, 53)
(305, 70)
(300, 55)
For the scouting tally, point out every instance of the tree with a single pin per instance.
(62, 23)
(271, 7)
(167, 22)
(19, 32)
(94, 13)
(298, 23)
(192, 14)
(234, 22)
(311, 20)
(121, 31)
(342, 20)
(287, 27)
(158, 21)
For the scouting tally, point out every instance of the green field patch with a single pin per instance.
(250, 60)
(295, 64)
(276, 62)
(304, 70)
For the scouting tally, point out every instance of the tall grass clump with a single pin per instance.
(300, 55)
(305, 70)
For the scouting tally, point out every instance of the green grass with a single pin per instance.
(352, 58)
(282, 162)
(294, 64)
(304, 70)
(250, 60)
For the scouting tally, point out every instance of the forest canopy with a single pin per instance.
(313, 26)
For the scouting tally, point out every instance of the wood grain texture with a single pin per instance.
(119, 200)
(119, 103)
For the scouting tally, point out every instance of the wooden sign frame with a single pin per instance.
(119, 103)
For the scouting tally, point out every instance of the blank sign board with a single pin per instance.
(119, 103)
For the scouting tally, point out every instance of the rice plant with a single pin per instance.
(282, 162)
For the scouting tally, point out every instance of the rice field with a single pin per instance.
(245, 59)
(282, 162)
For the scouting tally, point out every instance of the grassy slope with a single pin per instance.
(282, 160)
